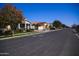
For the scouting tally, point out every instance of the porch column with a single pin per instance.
(28, 26)
(19, 26)
(25, 26)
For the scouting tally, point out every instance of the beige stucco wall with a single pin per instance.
(43, 27)
(40, 27)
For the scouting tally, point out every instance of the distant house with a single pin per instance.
(25, 25)
(40, 25)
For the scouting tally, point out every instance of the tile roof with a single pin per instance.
(39, 23)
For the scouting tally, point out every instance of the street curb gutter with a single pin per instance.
(17, 36)
(28, 35)
(76, 34)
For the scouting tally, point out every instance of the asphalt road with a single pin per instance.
(57, 43)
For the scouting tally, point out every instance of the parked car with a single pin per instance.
(53, 28)
(2, 31)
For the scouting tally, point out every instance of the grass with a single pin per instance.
(26, 33)
(18, 34)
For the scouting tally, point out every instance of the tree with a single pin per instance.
(76, 27)
(65, 26)
(9, 15)
(57, 24)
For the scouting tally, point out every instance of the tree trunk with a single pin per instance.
(12, 33)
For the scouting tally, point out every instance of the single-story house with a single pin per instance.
(24, 25)
(40, 25)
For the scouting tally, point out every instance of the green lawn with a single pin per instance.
(26, 33)
(19, 34)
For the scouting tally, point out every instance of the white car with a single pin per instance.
(2, 31)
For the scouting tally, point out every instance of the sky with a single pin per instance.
(67, 13)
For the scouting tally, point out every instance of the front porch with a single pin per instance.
(26, 25)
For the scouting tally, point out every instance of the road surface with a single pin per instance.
(58, 43)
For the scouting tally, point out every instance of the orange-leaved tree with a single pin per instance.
(9, 15)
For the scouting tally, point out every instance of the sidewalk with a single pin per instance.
(26, 34)
(18, 35)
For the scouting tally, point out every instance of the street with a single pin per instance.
(57, 43)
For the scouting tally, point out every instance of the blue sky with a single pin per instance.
(38, 12)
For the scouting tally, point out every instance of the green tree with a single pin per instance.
(65, 26)
(57, 24)
(77, 28)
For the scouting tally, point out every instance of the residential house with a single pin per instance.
(25, 25)
(40, 26)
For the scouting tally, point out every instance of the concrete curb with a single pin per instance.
(17, 36)
(29, 34)
(75, 32)
(77, 35)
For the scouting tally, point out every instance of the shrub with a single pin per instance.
(18, 31)
(29, 30)
(77, 28)
(8, 32)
